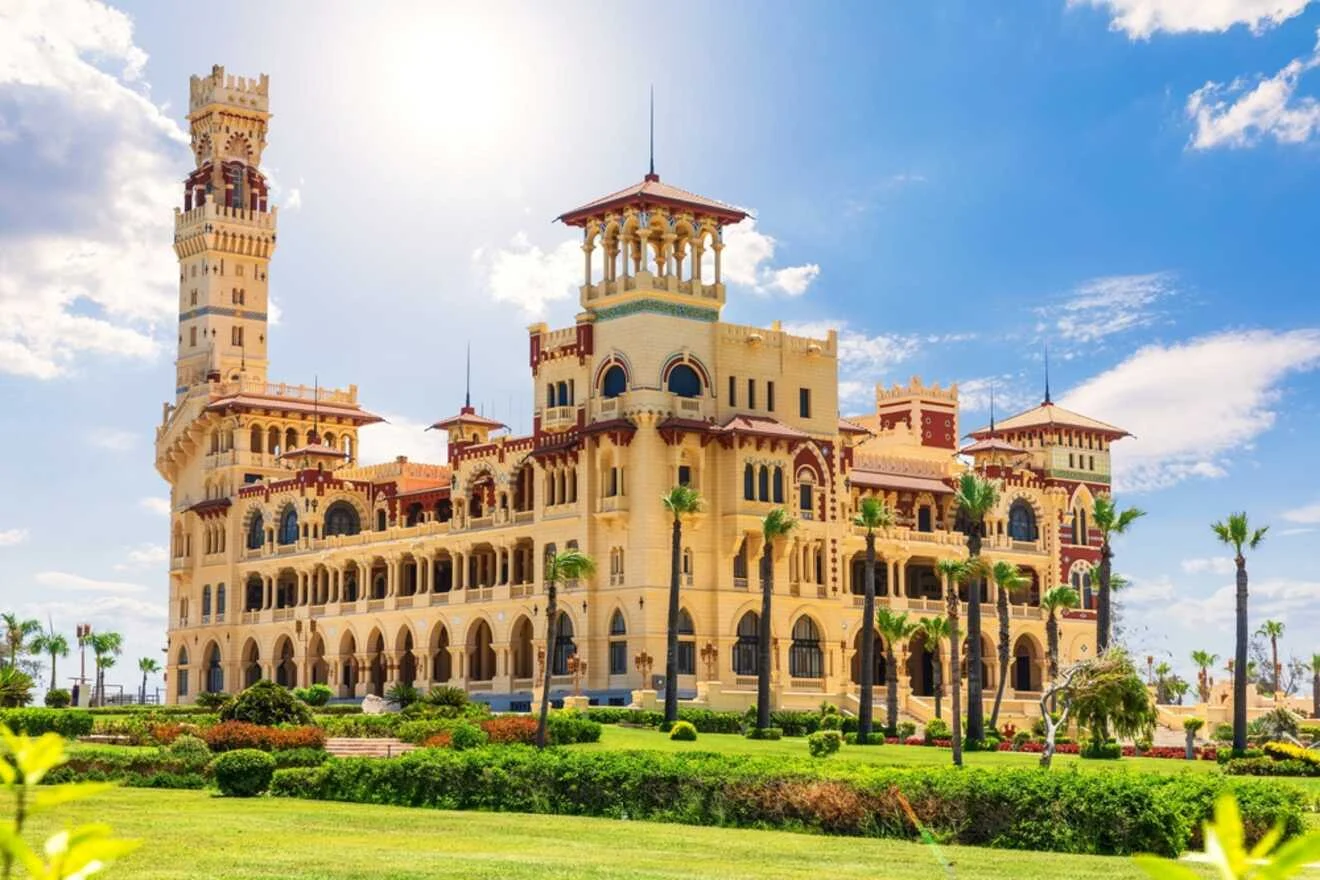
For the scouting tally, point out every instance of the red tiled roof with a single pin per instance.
(315, 450)
(847, 427)
(1049, 414)
(609, 425)
(763, 426)
(285, 404)
(210, 505)
(908, 482)
(652, 192)
(992, 444)
(678, 424)
(467, 416)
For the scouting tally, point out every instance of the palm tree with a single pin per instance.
(1162, 682)
(1204, 660)
(872, 515)
(17, 633)
(106, 646)
(1237, 533)
(777, 524)
(896, 629)
(1314, 667)
(1054, 600)
(936, 630)
(1009, 580)
(569, 565)
(975, 497)
(54, 644)
(1110, 521)
(956, 572)
(147, 666)
(680, 501)
(1273, 630)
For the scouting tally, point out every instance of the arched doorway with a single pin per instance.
(376, 669)
(441, 662)
(251, 664)
(318, 670)
(805, 658)
(921, 666)
(286, 670)
(215, 673)
(878, 667)
(1027, 666)
(481, 652)
(407, 662)
(565, 647)
(523, 652)
(349, 674)
(746, 650)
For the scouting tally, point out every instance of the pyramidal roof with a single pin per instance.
(1049, 414)
(652, 193)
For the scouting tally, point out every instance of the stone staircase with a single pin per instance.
(355, 747)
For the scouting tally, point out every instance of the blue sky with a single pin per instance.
(953, 184)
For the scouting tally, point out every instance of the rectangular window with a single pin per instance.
(236, 336)
(192, 337)
(751, 394)
(194, 297)
(770, 396)
(1090, 459)
(804, 402)
(684, 475)
(1071, 462)
(733, 391)
(687, 658)
(618, 658)
(239, 270)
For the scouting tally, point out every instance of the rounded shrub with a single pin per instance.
(765, 733)
(58, 698)
(906, 729)
(832, 721)
(937, 728)
(315, 695)
(1021, 738)
(874, 738)
(445, 695)
(1102, 751)
(683, 731)
(190, 749)
(243, 773)
(267, 704)
(212, 700)
(824, 743)
(1222, 733)
(466, 736)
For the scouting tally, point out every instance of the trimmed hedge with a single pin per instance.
(683, 731)
(243, 772)
(1110, 813)
(704, 720)
(161, 768)
(229, 736)
(68, 723)
(1270, 767)
(824, 743)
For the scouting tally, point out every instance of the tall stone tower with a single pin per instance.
(225, 234)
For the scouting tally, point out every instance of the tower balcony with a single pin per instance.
(606, 292)
(212, 212)
(559, 418)
(648, 400)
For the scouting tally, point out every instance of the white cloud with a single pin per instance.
(1290, 532)
(89, 167)
(1211, 565)
(794, 280)
(73, 583)
(1308, 515)
(1193, 403)
(1113, 304)
(1009, 397)
(1235, 115)
(113, 439)
(1147, 591)
(1297, 602)
(144, 556)
(529, 277)
(1140, 19)
(746, 260)
(155, 505)
(397, 436)
(10, 537)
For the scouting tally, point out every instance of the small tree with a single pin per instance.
(1204, 661)
(17, 632)
(267, 704)
(1190, 727)
(936, 630)
(1105, 695)
(147, 666)
(1273, 630)
(564, 565)
(1007, 580)
(106, 646)
(679, 501)
(776, 525)
(896, 629)
(1314, 668)
(56, 646)
(1238, 534)
(1110, 521)
(872, 515)
(1057, 599)
(975, 497)
(957, 572)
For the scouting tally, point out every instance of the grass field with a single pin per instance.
(615, 737)
(188, 834)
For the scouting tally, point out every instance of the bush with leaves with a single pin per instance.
(683, 731)
(266, 703)
(228, 736)
(403, 694)
(568, 727)
(190, 748)
(316, 695)
(446, 695)
(1101, 750)
(58, 698)
(243, 773)
(1226, 845)
(937, 728)
(68, 723)
(15, 687)
(824, 743)
(764, 733)
(212, 701)
(510, 729)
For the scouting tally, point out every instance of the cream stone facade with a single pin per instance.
(292, 561)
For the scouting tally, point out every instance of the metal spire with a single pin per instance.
(651, 173)
(467, 397)
(1047, 375)
(992, 408)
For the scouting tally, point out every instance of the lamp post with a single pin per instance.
(644, 662)
(577, 667)
(83, 633)
(709, 654)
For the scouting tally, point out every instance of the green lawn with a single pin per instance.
(197, 834)
(632, 738)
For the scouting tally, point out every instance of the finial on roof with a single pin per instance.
(467, 396)
(1047, 375)
(992, 408)
(651, 175)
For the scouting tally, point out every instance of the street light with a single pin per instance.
(577, 667)
(709, 654)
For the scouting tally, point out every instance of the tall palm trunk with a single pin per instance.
(1315, 694)
(144, 688)
(937, 672)
(1275, 670)
(763, 642)
(955, 675)
(975, 708)
(1001, 602)
(1102, 614)
(1240, 663)
(865, 709)
(551, 635)
(53, 679)
(1052, 648)
(891, 690)
(671, 630)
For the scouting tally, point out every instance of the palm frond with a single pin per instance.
(873, 514)
(1060, 597)
(567, 565)
(682, 501)
(976, 496)
(777, 524)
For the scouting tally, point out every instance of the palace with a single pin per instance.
(293, 561)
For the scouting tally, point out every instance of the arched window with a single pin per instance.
(615, 382)
(618, 644)
(687, 644)
(763, 484)
(181, 673)
(256, 535)
(779, 485)
(749, 483)
(220, 601)
(564, 646)
(342, 519)
(215, 673)
(1021, 521)
(746, 653)
(805, 659)
(740, 564)
(806, 499)
(1080, 535)
(206, 601)
(380, 521)
(289, 526)
(562, 388)
(684, 381)
(923, 518)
